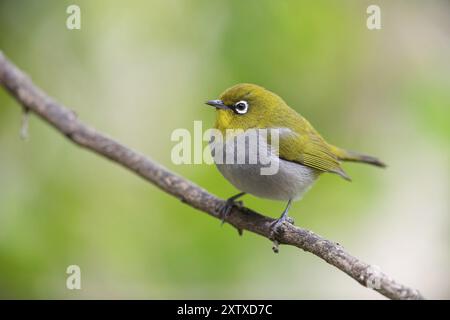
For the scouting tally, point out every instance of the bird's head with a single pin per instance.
(247, 106)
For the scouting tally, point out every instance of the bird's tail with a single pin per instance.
(346, 155)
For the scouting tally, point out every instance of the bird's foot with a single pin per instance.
(275, 229)
(276, 225)
(225, 208)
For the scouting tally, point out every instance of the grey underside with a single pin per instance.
(290, 181)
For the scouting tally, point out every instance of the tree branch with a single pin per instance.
(64, 120)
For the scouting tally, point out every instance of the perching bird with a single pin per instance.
(302, 154)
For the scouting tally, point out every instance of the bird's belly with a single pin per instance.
(290, 182)
(267, 177)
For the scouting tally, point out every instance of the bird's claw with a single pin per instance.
(276, 225)
(225, 208)
(275, 229)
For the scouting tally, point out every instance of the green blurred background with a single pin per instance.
(137, 70)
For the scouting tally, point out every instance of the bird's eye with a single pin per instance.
(241, 107)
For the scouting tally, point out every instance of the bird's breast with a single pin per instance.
(253, 166)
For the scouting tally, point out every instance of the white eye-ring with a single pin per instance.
(241, 107)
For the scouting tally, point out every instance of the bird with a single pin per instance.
(301, 153)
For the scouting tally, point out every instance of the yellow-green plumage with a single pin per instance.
(302, 154)
(268, 110)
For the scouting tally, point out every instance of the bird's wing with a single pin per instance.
(305, 146)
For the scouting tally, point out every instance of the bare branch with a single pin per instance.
(64, 120)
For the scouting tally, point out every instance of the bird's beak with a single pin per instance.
(217, 104)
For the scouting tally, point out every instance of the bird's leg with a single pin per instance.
(225, 208)
(277, 223)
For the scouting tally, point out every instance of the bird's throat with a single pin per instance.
(223, 120)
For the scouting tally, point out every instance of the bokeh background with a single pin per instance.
(137, 70)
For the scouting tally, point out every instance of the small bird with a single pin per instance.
(302, 154)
